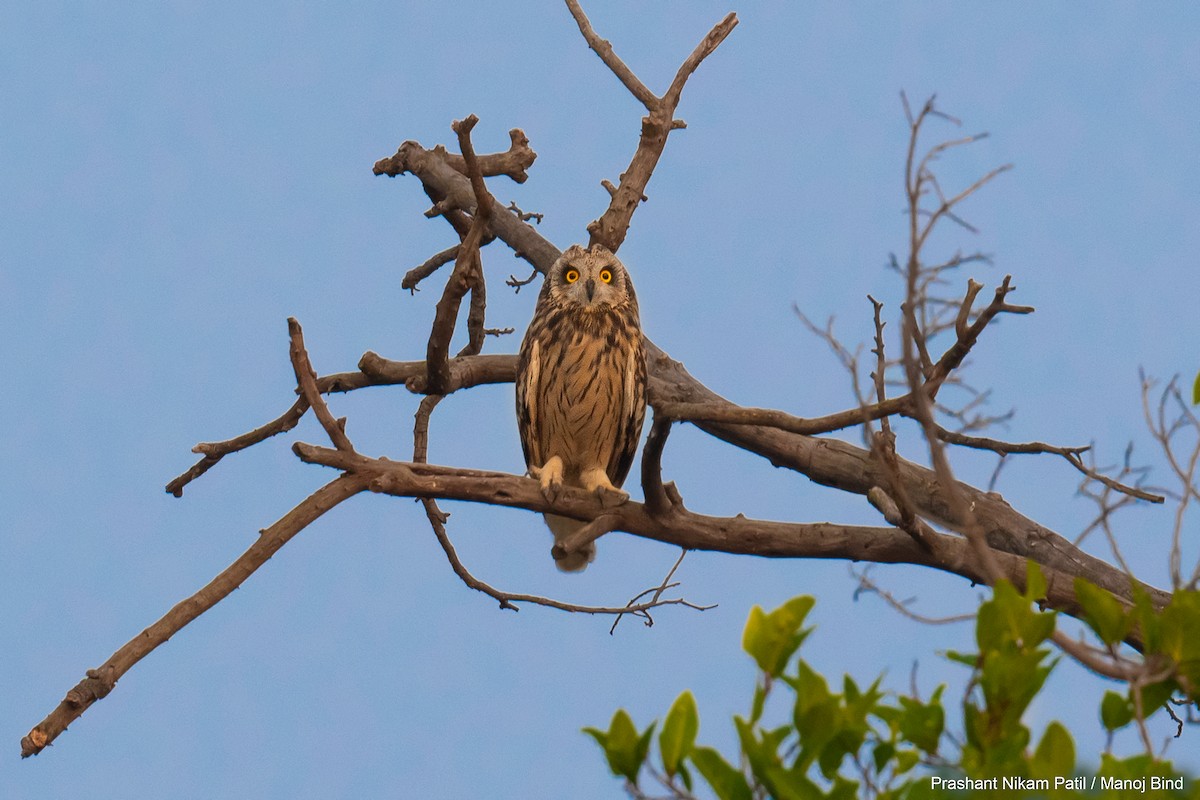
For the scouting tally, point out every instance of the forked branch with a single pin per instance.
(610, 229)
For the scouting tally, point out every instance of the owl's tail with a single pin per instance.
(562, 527)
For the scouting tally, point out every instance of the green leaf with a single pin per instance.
(922, 724)
(679, 732)
(1035, 582)
(1181, 626)
(1055, 755)
(726, 782)
(1103, 612)
(906, 760)
(760, 701)
(1115, 711)
(969, 659)
(1148, 619)
(1155, 696)
(687, 777)
(816, 713)
(643, 750)
(843, 789)
(1007, 619)
(772, 638)
(624, 749)
(1196, 391)
(883, 753)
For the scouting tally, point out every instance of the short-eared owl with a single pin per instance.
(581, 383)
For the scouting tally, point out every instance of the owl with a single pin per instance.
(581, 384)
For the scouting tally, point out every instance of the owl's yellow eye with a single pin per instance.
(571, 275)
(606, 275)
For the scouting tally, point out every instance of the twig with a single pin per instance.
(914, 526)
(525, 216)
(865, 584)
(306, 379)
(880, 372)
(213, 452)
(658, 592)
(954, 356)
(516, 283)
(924, 378)
(417, 274)
(739, 415)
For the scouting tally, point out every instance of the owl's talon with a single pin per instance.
(550, 476)
(596, 481)
(610, 497)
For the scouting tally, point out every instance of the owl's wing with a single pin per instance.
(633, 411)
(529, 371)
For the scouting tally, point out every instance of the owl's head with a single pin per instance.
(590, 278)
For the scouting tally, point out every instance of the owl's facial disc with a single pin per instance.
(590, 279)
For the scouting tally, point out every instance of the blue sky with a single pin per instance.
(179, 178)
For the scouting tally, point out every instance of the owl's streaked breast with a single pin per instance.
(582, 404)
(586, 365)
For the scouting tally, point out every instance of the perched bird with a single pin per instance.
(581, 384)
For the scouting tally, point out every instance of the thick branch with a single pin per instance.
(737, 535)
(825, 461)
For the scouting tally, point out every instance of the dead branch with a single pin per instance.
(954, 356)
(374, 370)
(610, 229)
(657, 592)
(1072, 455)
(100, 681)
(879, 376)
(435, 262)
(868, 586)
(467, 274)
(828, 462)
(692, 531)
(1165, 428)
(657, 501)
(513, 162)
(306, 379)
(770, 418)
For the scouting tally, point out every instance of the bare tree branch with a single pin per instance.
(692, 531)
(435, 262)
(468, 273)
(610, 229)
(100, 681)
(306, 378)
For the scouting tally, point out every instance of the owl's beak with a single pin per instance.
(590, 286)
